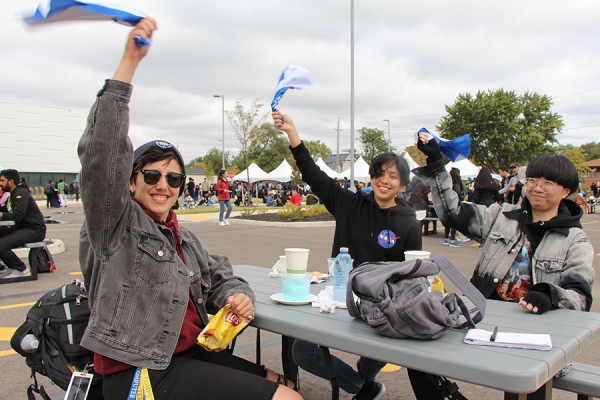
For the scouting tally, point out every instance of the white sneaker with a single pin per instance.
(226, 222)
(222, 223)
(4, 271)
(17, 274)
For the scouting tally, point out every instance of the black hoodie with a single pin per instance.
(25, 211)
(360, 224)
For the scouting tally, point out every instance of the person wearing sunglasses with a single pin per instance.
(151, 283)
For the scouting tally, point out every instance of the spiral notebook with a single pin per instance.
(530, 341)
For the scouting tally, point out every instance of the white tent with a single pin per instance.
(283, 173)
(325, 168)
(361, 171)
(256, 174)
(411, 164)
(466, 167)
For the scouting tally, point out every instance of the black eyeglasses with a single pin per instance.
(151, 177)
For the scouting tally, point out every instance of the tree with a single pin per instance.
(269, 148)
(577, 156)
(591, 150)
(373, 143)
(213, 161)
(504, 127)
(417, 155)
(317, 149)
(245, 126)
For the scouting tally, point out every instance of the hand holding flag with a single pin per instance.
(293, 77)
(456, 150)
(50, 11)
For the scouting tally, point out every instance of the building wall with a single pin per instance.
(40, 139)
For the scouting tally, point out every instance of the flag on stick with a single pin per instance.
(293, 77)
(456, 150)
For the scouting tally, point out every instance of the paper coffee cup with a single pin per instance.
(414, 254)
(296, 260)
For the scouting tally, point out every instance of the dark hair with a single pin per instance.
(554, 168)
(504, 168)
(11, 174)
(221, 173)
(484, 180)
(419, 193)
(152, 155)
(376, 168)
(456, 180)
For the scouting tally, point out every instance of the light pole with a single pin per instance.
(222, 123)
(389, 138)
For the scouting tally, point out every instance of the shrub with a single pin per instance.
(292, 212)
(247, 213)
(315, 209)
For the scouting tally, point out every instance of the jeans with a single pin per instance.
(222, 204)
(11, 238)
(309, 357)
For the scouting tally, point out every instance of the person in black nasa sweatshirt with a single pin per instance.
(374, 227)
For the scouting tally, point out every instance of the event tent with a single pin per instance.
(411, 163)
(283, 173)
(325, 168)
(466, 167)
(361, 171)
(256, 174)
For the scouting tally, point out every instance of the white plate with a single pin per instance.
(278, 297)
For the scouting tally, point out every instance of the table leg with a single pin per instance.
(290, 369)
(258, 361)
(335, 388)
(543, 393)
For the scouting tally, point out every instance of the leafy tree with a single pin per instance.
(197, 162)
(213, 161)
(317, 149)
(592, 150)
(245, 126)
(269, 147)
(577, 156)
(416, 155)
(504, 127)
(373, 143)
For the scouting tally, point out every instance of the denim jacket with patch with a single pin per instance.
(563, 259)
(138, 286)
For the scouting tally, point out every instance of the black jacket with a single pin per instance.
(25, 211)
(369, 232)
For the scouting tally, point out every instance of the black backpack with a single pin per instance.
(58, 320)
(40, 260)
(49, 189)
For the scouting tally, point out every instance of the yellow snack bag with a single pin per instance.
(221, 329)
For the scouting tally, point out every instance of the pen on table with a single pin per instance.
(493, 337)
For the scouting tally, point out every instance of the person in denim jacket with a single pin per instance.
(534, 253)
(151, 283)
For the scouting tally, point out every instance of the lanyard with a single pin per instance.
(141, 389)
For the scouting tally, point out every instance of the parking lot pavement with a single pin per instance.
(244, 244)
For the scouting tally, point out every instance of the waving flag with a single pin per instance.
(70, 10)
(456, 150)
(293, 77)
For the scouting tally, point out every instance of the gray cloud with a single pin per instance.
(411, 59)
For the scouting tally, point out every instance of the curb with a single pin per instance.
(321, 224)
(56, 246)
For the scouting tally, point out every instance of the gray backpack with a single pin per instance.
(393, 298)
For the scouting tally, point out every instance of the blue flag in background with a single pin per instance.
(456, 150)
(293, 77)
(70, 10)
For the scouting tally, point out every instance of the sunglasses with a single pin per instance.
(151, 177)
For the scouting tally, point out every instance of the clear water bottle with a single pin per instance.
(30, 343)
(342, 268)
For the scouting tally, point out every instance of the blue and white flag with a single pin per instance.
(456, 150)
(70, 10)
(293, 77)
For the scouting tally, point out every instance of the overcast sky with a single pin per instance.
(411, 59)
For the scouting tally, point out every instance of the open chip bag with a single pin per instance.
(222, 329)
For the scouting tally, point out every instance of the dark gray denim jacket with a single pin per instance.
(563, 258)
(139, 287)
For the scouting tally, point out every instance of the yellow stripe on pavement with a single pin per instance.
(7, 333)
(587, 223)
(197, 218)
(76, 273)
(17, 305)
(7, 352)
(475, 245)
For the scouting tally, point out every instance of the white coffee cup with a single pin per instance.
(296, 260)
(414, 254)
